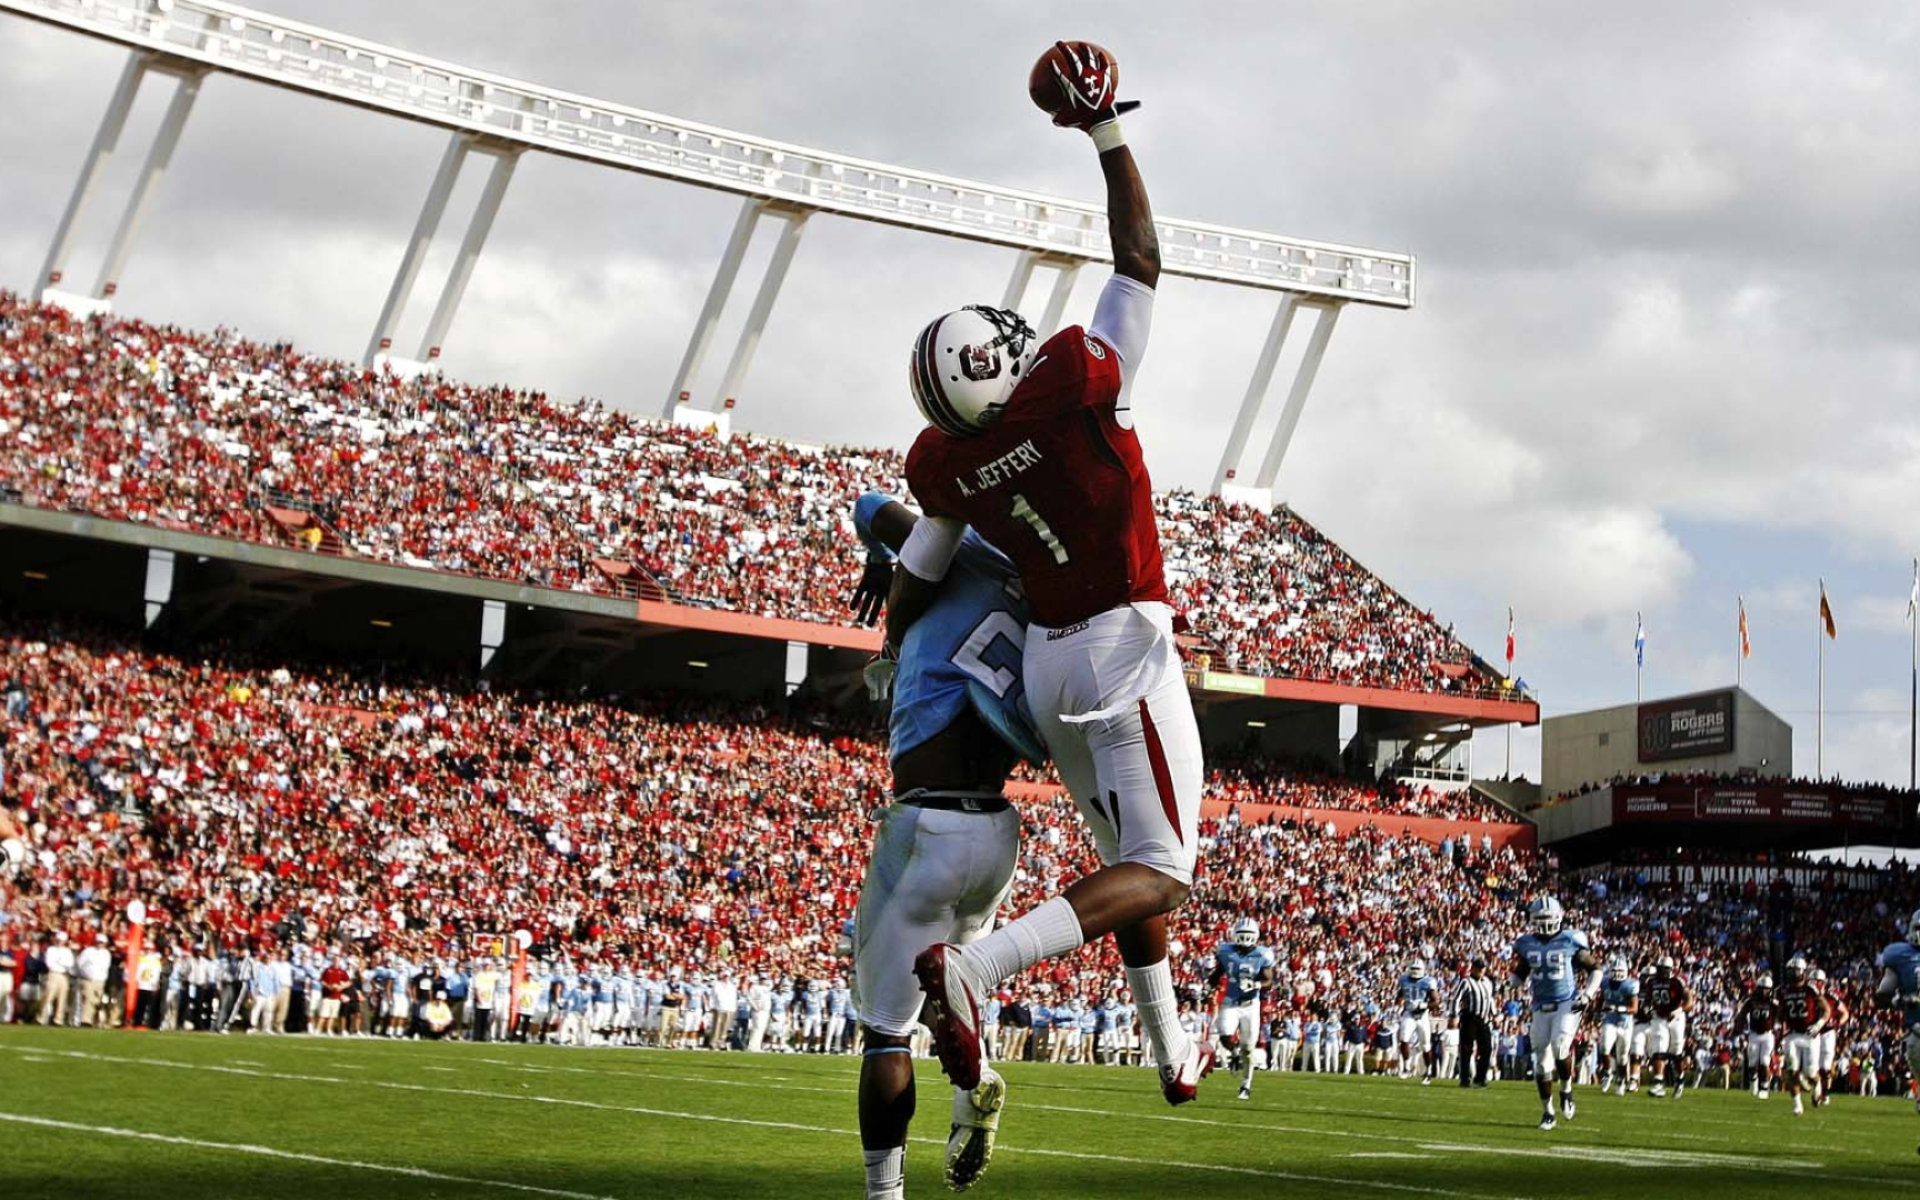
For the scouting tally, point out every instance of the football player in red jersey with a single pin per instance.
(1034, 447)
(1841, 1017)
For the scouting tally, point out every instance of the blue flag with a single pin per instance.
(1639, 642)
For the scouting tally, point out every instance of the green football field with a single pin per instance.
(86, 1114)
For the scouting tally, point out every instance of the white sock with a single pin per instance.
(1047, 932)
(886, 1173)
(1159, 1013)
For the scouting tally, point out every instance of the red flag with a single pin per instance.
(1746, 643)
(1826, 612)
(1509, 641)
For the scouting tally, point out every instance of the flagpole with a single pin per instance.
(1820, 690)
(1913, 669)
(1740, 643)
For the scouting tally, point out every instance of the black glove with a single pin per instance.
(870, 598)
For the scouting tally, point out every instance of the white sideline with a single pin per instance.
(568, 1102)
(270, 1152)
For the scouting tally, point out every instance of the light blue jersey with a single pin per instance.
(1551, 974)
(1617, 998)
(1243, 970)
(1417, 995)
(966, 650)
(1903, 959)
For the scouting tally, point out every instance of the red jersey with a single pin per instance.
(1665, 996)
(1056, 484)
(1800, 1006)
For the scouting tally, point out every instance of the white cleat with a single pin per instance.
(976, 1122)
(1566, 1105)
(1547, 1122)
(953, 1011)
(1658, 1091)
(1246, 1093)
(1181, 1083)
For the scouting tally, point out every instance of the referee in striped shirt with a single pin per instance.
(1473, 1006)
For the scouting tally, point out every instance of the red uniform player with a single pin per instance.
(1033, 446)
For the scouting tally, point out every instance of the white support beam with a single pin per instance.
(1065, 272)
(1256, 397)
(680, 391)
(469, 254)
(186, 89)
(1022, 276)
(1297, 395)
(388, 323)
(158, 592)
(105, 138)
(783, 251)
(493, 630)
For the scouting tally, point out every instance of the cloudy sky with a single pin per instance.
(1665, 349)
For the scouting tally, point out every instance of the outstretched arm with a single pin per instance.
(1136, 247)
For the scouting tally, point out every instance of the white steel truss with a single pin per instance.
(380, 347)
(505, 117)
(106, 140)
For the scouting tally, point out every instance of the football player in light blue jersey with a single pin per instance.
(1620, 1001)
(1900, 987)
(1549, 958)
(944, 857)
(1418, 992)
(1247, 967)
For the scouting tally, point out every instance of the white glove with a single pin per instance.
(879, 673)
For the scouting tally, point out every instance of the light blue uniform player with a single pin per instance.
(1419, 991)
(1247, 968)
(1550, 959)
(944, 856)
(1900, 987)
(1620, 1002)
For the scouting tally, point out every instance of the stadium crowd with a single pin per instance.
(120, 418)
(310, 835)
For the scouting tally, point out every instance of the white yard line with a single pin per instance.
(270, 1152)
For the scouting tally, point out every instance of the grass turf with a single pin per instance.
(257, 1117)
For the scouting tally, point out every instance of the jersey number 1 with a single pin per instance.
(1024, 512)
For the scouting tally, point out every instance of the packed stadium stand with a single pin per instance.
(382, 817)
(211, 432)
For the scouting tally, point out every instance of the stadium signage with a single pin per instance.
(1768, 803)
(1691, 727)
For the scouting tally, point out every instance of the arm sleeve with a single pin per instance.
(930, 548)
(1122, 319)
(863, 513)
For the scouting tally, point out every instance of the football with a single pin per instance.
(1043, 82)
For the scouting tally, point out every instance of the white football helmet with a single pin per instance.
(1417, 969)
(1546, 916)
(1618, 969)
(966, 365)
(1666, 964)
(13, 855)
(1796, 968)
(1819, 976)
(1246, 933)
(1764, 983)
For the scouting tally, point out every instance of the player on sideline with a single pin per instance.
(1620, 1002)
(1034, 446)
(1548, 957)
(1758, 1015)
(1841, 1017)
(944, 857)
(1805, 1012)
(1418, 991)
(1899, 989)
(1247, 967)
(1668, 995)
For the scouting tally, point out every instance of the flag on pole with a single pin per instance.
(1509, 640)
(1746, 643)
(1826, 612)
(1639, 641)
(1913, 597)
